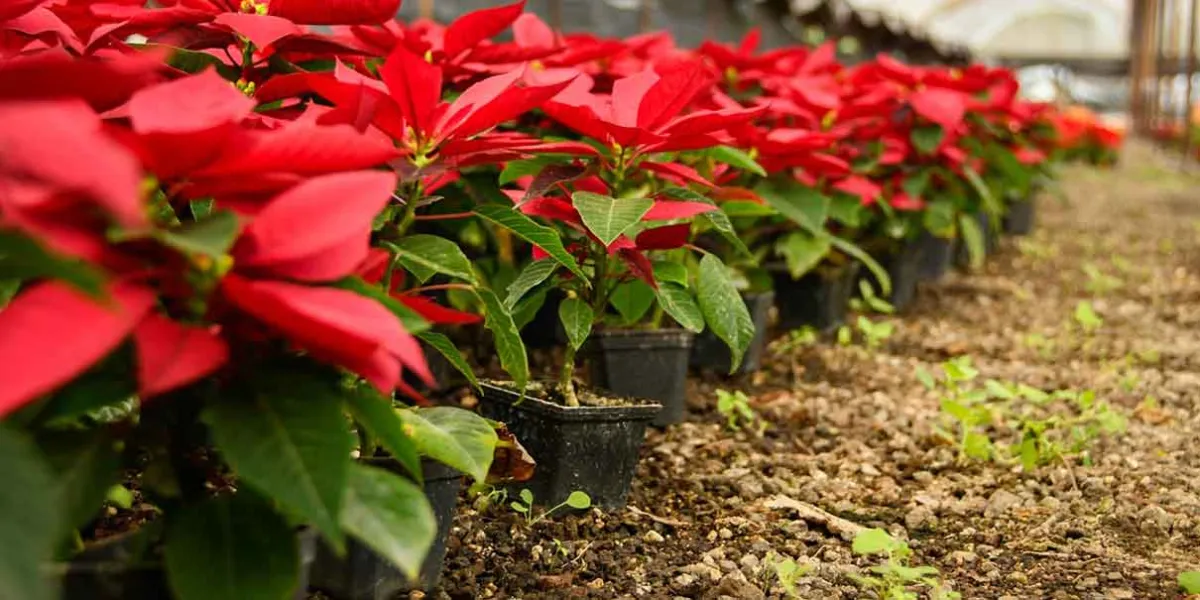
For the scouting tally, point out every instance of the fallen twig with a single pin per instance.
(847, 530)
(657, 519)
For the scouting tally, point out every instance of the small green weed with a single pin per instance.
(524, 505)
(738, 413)
(893, 579)
(1100, 283)
(869, 301)
(1036, 250)
(1086, 317)
(794, 340)
(1010, 422)
(873, 333)
(1190, 582)
(788, 573)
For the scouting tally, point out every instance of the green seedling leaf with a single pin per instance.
(450, 352)
(607, 218)
(977, 446)
(579, 500)
(873, 541)
(531, 276)
(527, 497)
(925, 378)
(1085, 315)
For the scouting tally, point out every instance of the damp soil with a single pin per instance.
(549, 392)
(852, 434)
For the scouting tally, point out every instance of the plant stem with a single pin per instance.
(440, 286)
(566, 378)
(409, 216)
(444, 216)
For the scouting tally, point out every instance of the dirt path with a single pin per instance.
(852, 432)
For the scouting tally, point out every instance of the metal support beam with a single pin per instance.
(1191, 74)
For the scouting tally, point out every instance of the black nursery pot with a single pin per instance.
(903, 265)
(364, 575)
(819, 299)
(709, 352)
(649, 364)
(107, 571)
(1020, 217)
(593, 449)
(936, 256)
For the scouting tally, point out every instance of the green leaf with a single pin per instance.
(577, 318)
(925, 378)
(723, 308)
(666, 271)
(457, 438)
(119, 496)
(736, 158)
(873, 541)
(802, 204)
(412, 321)
(715, 218)
(234, 546)
(977, 446)
(211, 237)
(377, 415)
(531, 276)
(450, 352)
(927, 139)
(972, 236)
(991, 204)
(802, 251)
(677, 301)
(744, 208)
(506, 336)
(632, 300)
(1190, 581)
(516, 169)
(847, 210)
(915, 184)
(390, 515)
(1029, 454)
(607, 218)
(192, 61)
(1085, 315)
(426, 255)
(32, 523)
(579, 500)
(201, 208)
(289, 439)
(527, 309)
(85, 465)
(881, 274)
(939, 217)
(527, 229)
(23, 258)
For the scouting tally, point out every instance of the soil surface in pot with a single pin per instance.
(852, 433)
(587, 396)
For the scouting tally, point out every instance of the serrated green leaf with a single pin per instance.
(723, 308)
(873, 541)
(506, 336)
(577, 318)
(457, 438)
(802, 204)
(233, 546)
(736, 158)
(632, 300)
(927, 139)
(426, 255)
(390, 515)
(527, 229)
(288, 439)
(378, 416)
(33, 524)
(607, 218)
(677, 301)
(413, 323)
(447, 349)
(211, 237)
(531, 276)
(802, 251)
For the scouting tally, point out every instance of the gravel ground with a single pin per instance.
(852, 439)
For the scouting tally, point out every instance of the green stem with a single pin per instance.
(566, 378)
(409, 216)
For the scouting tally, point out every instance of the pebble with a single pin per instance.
(653, 537)
(1001, 502)
(596, 584)
(1155, 517)
(920, 517)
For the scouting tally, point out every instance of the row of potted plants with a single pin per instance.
(238, 239)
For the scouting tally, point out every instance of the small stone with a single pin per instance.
(1120, 594)
(1001, 502)
(919, 517)
(734, 585)
(728, 565)
(725, 533)
(1156, 517)
(923, 476)
(596, 584)
(961, 557)
(750, 561)
(1087, 583)
(1018, 577)
(703, 570)
(870, 470)
(653, 537)
(684, 580)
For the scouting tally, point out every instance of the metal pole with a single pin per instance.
(556, 15)
(425, 9)
(644, 17)
(1137, 27)
(1191, 73)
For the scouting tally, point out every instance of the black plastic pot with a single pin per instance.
(648, 364)
(709, 352)
(937, 254)
(107, 571)
(593, 449)
(1020, 217)
(820, 299)
(903, 264)
(363, 574)
(545, 330)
